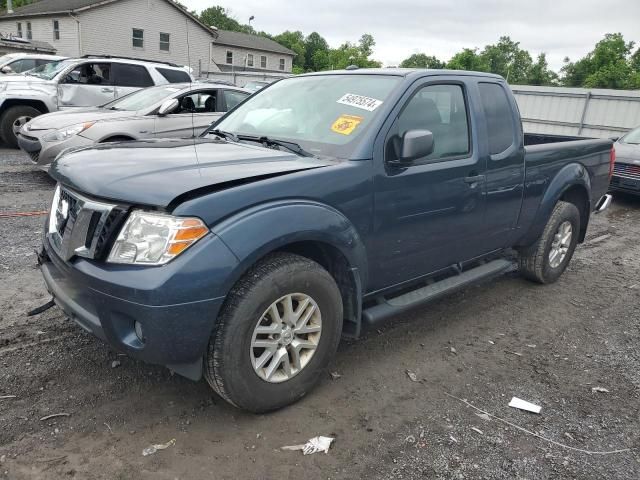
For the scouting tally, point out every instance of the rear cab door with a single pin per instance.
(127, 78)
(429, 215)
(88, 84)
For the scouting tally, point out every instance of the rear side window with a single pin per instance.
(174, 76)
(499, 116)
(126, 75)
(233, 98)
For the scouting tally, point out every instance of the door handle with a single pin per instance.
(472, 179)
(107, 90)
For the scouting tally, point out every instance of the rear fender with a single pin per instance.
(571, 175)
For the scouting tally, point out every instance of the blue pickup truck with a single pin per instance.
(321, 204)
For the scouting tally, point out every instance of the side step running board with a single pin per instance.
(390, 307)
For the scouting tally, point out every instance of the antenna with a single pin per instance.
(193, 128)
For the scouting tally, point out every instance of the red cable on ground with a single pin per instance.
(23, 214)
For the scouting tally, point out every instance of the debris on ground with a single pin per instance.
(151, 449)
(477, 430)
(453, 439)
(524, 405)
(454, 351)
(314, 445)
(599, 239)
(492, 342)
(334, 375)
(531, 345)
(412, 376)
(484, 416)
(599, 390)
(513, 353)
(55, 415)
(6, 397)
(115, 364)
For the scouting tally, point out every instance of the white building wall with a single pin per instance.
(108, 30)
(239, 57)
(42, 30)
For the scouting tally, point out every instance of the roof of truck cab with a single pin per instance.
(405, 72)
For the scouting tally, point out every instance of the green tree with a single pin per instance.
(468, 59)
(316, 52)
(422, 60)
(294, 41)
(506, 58)
(611, 64)
(540, 73)
(353, 54)
(223, 19)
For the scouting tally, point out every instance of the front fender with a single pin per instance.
(255, 232)
(571, 175)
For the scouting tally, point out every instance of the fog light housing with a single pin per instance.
(138, 328)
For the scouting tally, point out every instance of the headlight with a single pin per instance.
(154, 238)
(67, 132)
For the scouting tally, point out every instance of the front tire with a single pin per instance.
(277, 332)
(548, 258)
(12, 121)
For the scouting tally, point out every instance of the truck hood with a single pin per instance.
(627, 153)
(65, 118)
(155, 172)
(20, 78)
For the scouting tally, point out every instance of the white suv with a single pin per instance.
(78, 82)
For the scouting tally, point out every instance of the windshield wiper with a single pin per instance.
(269, 142)
(223, 134)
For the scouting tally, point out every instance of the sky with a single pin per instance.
(560, 28)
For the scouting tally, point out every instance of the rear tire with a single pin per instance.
(295, 343)
(12, 120)
(547, 259)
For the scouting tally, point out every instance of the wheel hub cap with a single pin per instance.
(286, 337)
(560, 245)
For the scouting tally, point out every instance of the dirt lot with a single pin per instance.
(549, 345)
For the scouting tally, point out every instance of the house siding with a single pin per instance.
(108, 30)
(219, 55)
(42, 29)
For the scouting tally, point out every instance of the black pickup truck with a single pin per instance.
(323, 202)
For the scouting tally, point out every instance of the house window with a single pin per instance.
(282, 64)
(29, 35)
(249, 60)
(229, 57)
(138, 38)
(164, 42)
(19, 32)
(263, 61)
(56, 30)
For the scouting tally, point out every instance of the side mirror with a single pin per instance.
(416, 144)
(6, 69)
(168, 107)
(614, 139)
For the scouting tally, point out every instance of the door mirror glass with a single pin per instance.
(416, 144)
(6, 69)
(168, 106)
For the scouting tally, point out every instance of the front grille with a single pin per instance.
(80, 226)
(627, 171)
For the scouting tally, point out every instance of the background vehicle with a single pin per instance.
(21, 62)
(254, 86)
(177, 110)
(71, 83)
(321, 203)
(626, 171)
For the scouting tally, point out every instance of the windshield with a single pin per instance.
(142, 99)
(325, 114)
(4, 59)
(50, 70)
(632, 137)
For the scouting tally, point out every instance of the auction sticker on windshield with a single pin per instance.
(346, 124)
(360, 101)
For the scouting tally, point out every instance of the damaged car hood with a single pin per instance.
(155, 172)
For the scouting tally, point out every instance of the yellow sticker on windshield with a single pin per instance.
(346, 124)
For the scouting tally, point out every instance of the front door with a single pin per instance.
(88, 85)
(196, 111)
(428, 215)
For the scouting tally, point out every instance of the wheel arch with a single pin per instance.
(571, 183)
(24, 102)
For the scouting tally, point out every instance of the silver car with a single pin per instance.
(176, 110)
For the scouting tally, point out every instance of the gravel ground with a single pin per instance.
(547, 344)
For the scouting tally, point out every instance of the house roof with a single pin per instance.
(28, 46)
(49, 7)
(253, 42)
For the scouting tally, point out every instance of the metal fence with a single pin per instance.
(577, 111)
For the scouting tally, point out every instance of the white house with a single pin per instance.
(147, 29)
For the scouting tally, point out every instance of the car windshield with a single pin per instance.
(4, 59)
(142, 99)
(50, 70)
(632, 137)
(324, 114)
